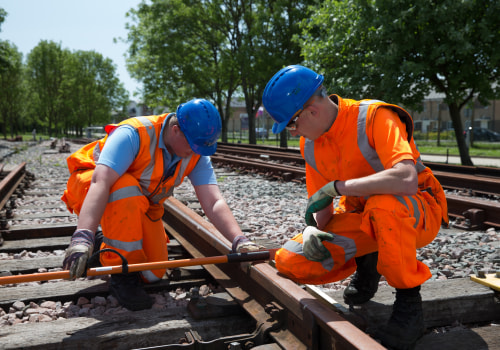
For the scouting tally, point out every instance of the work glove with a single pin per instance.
(79, 251)
(241, 244)
(313, 248)
(320, 200)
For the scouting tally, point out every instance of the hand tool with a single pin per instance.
(106, 270)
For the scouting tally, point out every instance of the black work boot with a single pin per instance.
(406, 324)
(364, 284)
(128, 289)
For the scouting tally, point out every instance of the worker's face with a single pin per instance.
(305, 123)
(180, 145)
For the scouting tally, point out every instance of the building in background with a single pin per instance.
(435, 115)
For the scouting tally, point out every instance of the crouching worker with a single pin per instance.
(121, 181)
(390, 204)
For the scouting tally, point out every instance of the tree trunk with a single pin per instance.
(459, 134)
(283, 139)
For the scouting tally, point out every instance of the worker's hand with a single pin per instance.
(319, 201)
(79, 251)
(241, 244)
(312, 240)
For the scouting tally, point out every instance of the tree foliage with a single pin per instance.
(91, 89)
(70, 90)
(45, 78)
(11, 89)
(400, 51)
(182, 49)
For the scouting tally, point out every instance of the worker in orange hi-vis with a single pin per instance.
(120, 183)
(389, 203)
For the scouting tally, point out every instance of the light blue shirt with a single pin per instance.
(122, 147)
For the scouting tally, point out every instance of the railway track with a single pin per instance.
(248, 305)
(473, 193)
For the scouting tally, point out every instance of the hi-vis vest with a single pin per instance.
(148, 166)
(351, 154)
(355, 157)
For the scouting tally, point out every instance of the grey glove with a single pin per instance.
(313, 248)
(79, 251)
(241, 244)
(319, 201)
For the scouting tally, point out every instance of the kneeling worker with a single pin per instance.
(390, 203)
(121, 181)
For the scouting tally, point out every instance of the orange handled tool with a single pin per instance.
(106, 270)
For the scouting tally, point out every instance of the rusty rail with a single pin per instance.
(293, 318)
(9, 183)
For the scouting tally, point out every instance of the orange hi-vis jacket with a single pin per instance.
(367, 137)
(131, 222)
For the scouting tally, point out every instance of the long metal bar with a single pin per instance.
(170, 264)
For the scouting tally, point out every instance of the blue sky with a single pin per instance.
(75, 24)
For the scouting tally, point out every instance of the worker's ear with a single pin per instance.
(313, 109)
(176, 130)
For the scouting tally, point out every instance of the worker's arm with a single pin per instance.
(219, 213)
(82, 241)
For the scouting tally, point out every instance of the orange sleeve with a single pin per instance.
(390, 138)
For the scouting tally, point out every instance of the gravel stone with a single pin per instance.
(264, 208)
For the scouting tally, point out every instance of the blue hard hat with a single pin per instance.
(287, 92)
(200, 122)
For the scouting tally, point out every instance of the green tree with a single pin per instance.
(400, 51)
(3, 49)
(178, 49)
(45, 80)
(91, 89)
(11, 89)
(72, 90)
(278, 23)
(185, 48)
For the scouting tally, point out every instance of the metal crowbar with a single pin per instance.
(106, 270)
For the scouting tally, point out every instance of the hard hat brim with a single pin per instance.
(204, 150)
(279, 127)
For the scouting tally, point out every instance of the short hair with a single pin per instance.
(321, 92)
(173, 121)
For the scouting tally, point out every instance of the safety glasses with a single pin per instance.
(292, 124)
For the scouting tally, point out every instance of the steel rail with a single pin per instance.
(457, 205)
(10, 183)
(299, 320)
(293, 153)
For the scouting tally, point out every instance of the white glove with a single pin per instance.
(313, 248)
(241, 244)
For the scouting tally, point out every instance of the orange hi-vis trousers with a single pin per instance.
(130, 224)
(395, 226)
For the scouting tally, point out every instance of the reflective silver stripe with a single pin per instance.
(328, 263)
(348, 244)
(425, 212)
(416, 211)
(367, 151)
(309, 154)
(294, 247)
(413, 212)
(126, 246)
(420, 165)
(124, 192)
(145, 179)
(164, 193)
(149, 276)
(97, 152)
